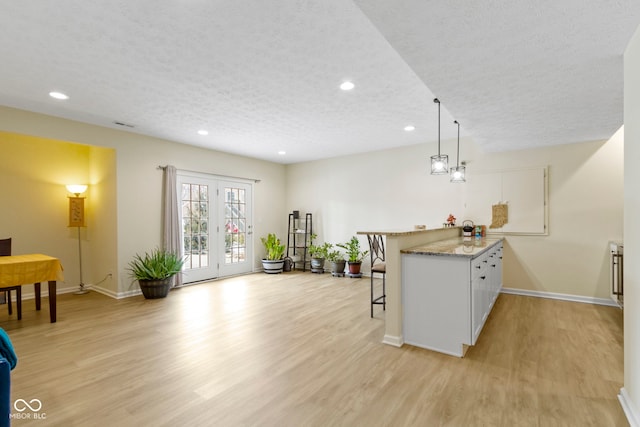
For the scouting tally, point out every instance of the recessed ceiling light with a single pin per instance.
(409, 128)
(58, 95)
(203, 132)
(282, 152)
(347, 86)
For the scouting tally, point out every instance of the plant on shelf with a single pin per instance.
(354, 255)
(337, 261)
(318, 255)
(154, 271)
(273, 262)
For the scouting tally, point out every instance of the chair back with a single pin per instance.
(5, 247)
(376, 248)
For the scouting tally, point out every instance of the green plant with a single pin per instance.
(319, 251)
(275, 251)
(352, 248)
(335, 256)
(157, 265)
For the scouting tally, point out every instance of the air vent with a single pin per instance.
(123, 124)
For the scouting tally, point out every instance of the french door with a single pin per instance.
(216, 227)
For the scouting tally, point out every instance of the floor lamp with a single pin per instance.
(76, 219)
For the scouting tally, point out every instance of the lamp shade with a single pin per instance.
(439, 164)
(77, 189)
(458, 174)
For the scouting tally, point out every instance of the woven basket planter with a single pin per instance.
(152, 289)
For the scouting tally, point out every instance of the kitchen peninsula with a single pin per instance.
(448, 290)
(424, 246)
(395, 242)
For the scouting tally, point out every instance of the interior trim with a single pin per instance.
(563, 297)
(633, 416)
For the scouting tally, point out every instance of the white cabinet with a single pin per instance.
(486, 284)
(447, 298)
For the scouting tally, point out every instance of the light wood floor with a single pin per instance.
(299, 349)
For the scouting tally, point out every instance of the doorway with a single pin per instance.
(216, 218)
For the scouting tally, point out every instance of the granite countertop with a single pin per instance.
(460, 246)
(405, 232)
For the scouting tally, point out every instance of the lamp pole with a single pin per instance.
(76, 218)
(82, 289)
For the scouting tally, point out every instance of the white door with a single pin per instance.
(216, 219)
(197, 209)
(235, 225)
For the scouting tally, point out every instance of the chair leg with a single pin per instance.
(372, 294)
(19, 301)
(8, 296)
(384, 292)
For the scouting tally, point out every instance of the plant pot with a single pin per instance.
(317, 265)
(152, 289)
(354, 267)
(273, 266)
(337, 268)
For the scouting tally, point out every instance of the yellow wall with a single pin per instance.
(34, 172)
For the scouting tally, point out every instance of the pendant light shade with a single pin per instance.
(439, 162)
(458, 172)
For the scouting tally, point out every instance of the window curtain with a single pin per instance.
(170, 217)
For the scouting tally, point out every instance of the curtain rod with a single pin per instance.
(209, 173)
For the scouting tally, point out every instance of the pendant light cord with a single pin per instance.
(437, 101)
(458, 152)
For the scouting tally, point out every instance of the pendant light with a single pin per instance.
(439, 163)
(458, 173)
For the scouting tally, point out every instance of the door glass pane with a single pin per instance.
(235, 225)
(195, 210)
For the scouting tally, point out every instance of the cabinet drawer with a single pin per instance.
(478, 266)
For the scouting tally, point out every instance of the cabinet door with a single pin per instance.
(477, 307)
(478, 295)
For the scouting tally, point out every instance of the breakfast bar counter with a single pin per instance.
(396, 241)
(459, 246)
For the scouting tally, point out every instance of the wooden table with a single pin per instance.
(20, 270)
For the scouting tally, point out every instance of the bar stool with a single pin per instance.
(376, 249)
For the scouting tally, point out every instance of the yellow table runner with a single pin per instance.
(26, 269)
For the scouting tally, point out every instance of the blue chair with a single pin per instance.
(8, 361)
(5, 392)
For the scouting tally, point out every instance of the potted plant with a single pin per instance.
(354, 255)
(154, 271)
(337, 261)
(318, 255)
(274, 262)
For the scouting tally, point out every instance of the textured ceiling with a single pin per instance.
(263, 76)
(517, 73)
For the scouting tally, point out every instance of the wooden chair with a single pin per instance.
(376, 249)
(5, 250)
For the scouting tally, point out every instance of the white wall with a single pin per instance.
(632, 225)
(136, 201)
(393, 189)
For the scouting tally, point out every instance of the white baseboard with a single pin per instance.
(44, 292)
(630, 410)
(393, 340)
(103, 291)
(563, 297)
